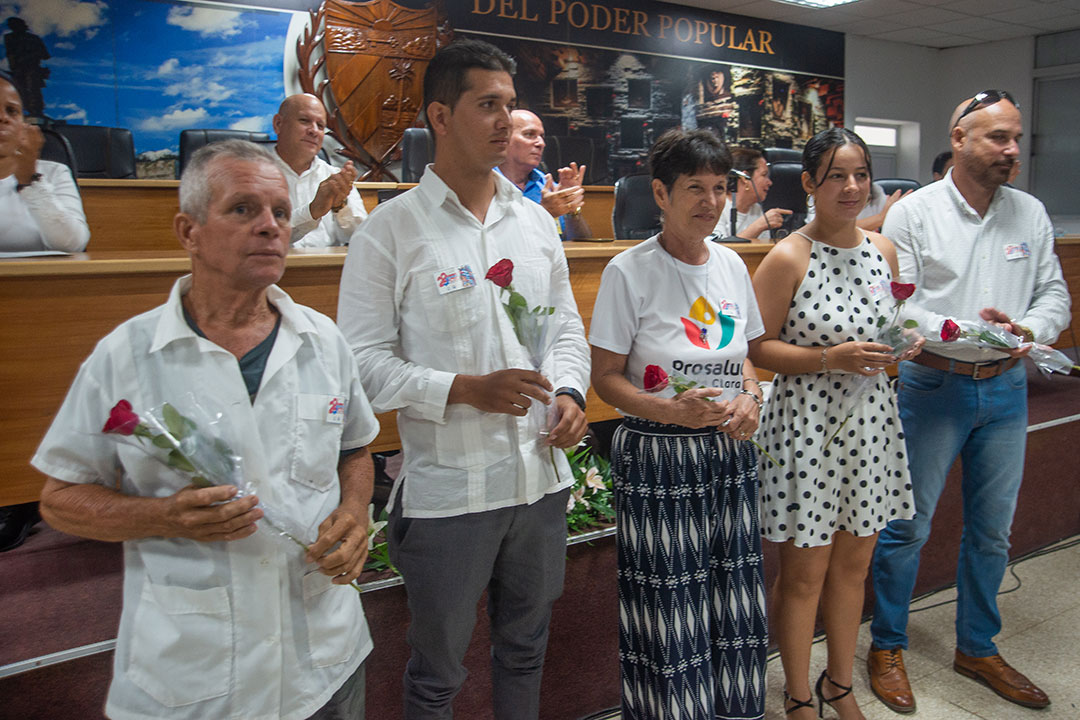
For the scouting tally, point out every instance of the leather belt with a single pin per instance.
(976, 371)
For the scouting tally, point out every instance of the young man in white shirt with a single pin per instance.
(974, 249)
(221, 621)
(481, 503)
(326, 206)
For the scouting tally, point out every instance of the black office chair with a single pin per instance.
(891, 185)
(561, 150)
(193, 139)
(58, 149)
(782, 155)
(417, 150)
(636, 215)
(787, 192)
(101, 152)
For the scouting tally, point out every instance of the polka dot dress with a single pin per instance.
(860, 481)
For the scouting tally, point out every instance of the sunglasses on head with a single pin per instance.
(986, 97)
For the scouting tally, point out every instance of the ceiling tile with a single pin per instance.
(1034, 12)
(950, 41)
(971, 26)
(915, 36)
(1068, 22)
(1004, 33)
(879, 8)
(1071, 4)
(925, 17)
(986, 7)
(868, 26)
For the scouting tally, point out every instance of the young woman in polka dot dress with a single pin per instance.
(820, 291)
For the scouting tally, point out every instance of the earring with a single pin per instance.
(809, 200)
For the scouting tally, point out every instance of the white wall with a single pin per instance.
(897, 81)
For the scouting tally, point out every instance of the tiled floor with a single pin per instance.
(1040, 634)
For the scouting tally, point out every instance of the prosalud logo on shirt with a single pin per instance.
(705, 325)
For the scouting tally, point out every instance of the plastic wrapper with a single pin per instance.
(1050, 361)
(195, 447)
(978, 333)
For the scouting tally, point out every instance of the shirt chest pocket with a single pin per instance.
(446, 311)
(317, 431)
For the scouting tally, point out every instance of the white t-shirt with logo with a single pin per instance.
(691, 320)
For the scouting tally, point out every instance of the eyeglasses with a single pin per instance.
(986, 97)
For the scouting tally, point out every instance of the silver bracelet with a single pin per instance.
(757, 401)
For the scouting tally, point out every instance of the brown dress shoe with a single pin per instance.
(888, 679)
(1002, 678)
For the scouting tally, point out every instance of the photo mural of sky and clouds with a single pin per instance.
(157, 67)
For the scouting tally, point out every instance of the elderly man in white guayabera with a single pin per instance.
(223, 619)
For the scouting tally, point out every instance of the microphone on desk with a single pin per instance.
(744, 176)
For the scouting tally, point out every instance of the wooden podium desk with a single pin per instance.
(137, 215)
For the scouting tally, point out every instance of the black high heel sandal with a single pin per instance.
(822, 700)
(798, 703)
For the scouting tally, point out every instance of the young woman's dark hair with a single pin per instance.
(679, 152)
(825, 141)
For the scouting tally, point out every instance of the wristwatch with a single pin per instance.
(574, 395)
(33, 179)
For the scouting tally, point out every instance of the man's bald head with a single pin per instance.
(300, 125)
(526, 149)
(985, 142)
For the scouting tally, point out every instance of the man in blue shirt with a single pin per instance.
(523, 157)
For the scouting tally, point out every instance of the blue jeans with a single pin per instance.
(985, 423)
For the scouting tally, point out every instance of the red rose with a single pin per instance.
(122, 420)
(655, 378)
(501, 273)
(902, 291)
(949, 331)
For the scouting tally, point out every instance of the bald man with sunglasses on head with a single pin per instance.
(974, 248)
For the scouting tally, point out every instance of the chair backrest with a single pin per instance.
(193, 139)
(782, 155)
(787, 192)
(561, 150)
(385, 194)
(636, 214)
(417, 150)
(58, 149)
(101, 152)
(891, 185)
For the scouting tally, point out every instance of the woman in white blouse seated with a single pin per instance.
(685, 473)
(40, 205)
(743, 216)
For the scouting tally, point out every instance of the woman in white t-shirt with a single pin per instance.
(691, 600)
(743, 215)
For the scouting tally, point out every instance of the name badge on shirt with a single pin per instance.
(730, 309)
(453, 279)
(1016, 251)
(879, 290)
(328, 408)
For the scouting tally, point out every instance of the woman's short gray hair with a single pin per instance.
(198, 177)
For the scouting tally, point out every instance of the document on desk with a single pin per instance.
(32, 253)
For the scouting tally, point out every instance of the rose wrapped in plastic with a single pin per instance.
(197, 451)
(657, 380)
(536, 328)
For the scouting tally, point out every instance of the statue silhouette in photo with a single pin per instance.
(25, 53)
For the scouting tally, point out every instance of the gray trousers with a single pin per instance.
(348, 702)
(519, 555)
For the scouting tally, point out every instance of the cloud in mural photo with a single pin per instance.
(155, 68)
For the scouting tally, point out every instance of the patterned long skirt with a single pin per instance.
(692, 620)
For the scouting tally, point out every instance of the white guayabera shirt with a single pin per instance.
(333, 228)
(243, 629)
(412, 333)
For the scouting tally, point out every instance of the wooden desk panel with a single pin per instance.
(137, 215)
